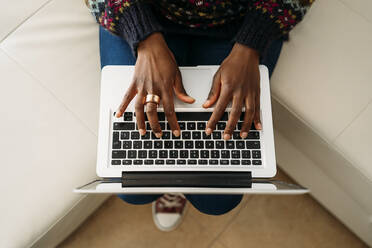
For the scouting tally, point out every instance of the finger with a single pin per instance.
(234, 116)
(140, 114)
(257, 118)
(168, 105)
(180, 91)
(214, 92)
(128, 96)
(218, 111)
(152, 115)
(248, 117)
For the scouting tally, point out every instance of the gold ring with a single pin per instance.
(152, 98)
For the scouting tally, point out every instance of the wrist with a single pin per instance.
(246, 52)
(153, 41)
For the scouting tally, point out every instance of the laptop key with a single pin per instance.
(149, 161)
(199, 144)
(147, 144)
(124, 125)
(146, 135)
(201, 126)
(178, 144)
(186, 135)
(168, 144)
(235, 162)
(191, 161)
(253, 144)
(191, 126)
(246, 162)
(124, 135)
(115, 162)
(128, 116)
(253, 135)
(189, 144)
(194, 154)
(215, 154)
(118, 154)
(161, 116)
(224, 162)
(127, 144)
(256, 162)
(230, 144)
(216, 135)
(163, 154)
(225, 154)
(221, 125)
(196, 135)
(236, 135)
(213, 161)
(181, 161)
(132, 154)
(135, 135)
(162, 125)
(182, 125)
(115, 136)
(204, 154)
(153, 136)
(138, 162)
(256, 154)
(203, 161)
(209, 144)
(153, 154)
(127, 162)
(159, 161)
(206, 137)
(246, 154)
(235, 154)
(173, 154)
(170, 161)
(137, 144)
(239, 144)
(184, 153)
(142, 154)
(175, 137)
(116, 145)
(220, 144)
(166, 135)
(158, 144)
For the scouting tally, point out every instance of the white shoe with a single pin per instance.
(168, 210)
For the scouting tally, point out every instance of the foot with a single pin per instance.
(168, 210)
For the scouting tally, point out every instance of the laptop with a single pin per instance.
(194, 163)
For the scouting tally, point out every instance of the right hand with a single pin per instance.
(156, 72)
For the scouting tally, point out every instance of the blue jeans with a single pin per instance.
(188, 51)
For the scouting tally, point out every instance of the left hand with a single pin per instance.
(237, 80)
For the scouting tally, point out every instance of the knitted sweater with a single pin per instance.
(254, 23)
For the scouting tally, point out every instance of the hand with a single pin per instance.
(156, 72)
(237, 80)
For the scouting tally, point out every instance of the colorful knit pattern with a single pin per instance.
(204, 13)
(286, 13)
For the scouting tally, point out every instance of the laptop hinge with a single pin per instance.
(220, 179)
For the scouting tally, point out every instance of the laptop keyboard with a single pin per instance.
(193, 147)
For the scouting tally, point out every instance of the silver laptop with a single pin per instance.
(129, 163)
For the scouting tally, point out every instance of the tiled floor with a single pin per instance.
(259, 221)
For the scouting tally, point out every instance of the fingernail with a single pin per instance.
(117, 114)
(259, 126)
(244, 135)
(226, 136)
(208, 131)
(157, 135)
(176, 133)
(142, 131)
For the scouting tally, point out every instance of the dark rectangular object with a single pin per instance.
(187, 179)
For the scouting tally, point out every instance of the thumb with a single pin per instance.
(214, 92)
(180, 91)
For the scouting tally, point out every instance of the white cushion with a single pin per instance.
(49, 106)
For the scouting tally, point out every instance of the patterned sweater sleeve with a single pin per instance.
(131, 19)
(268, 20)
